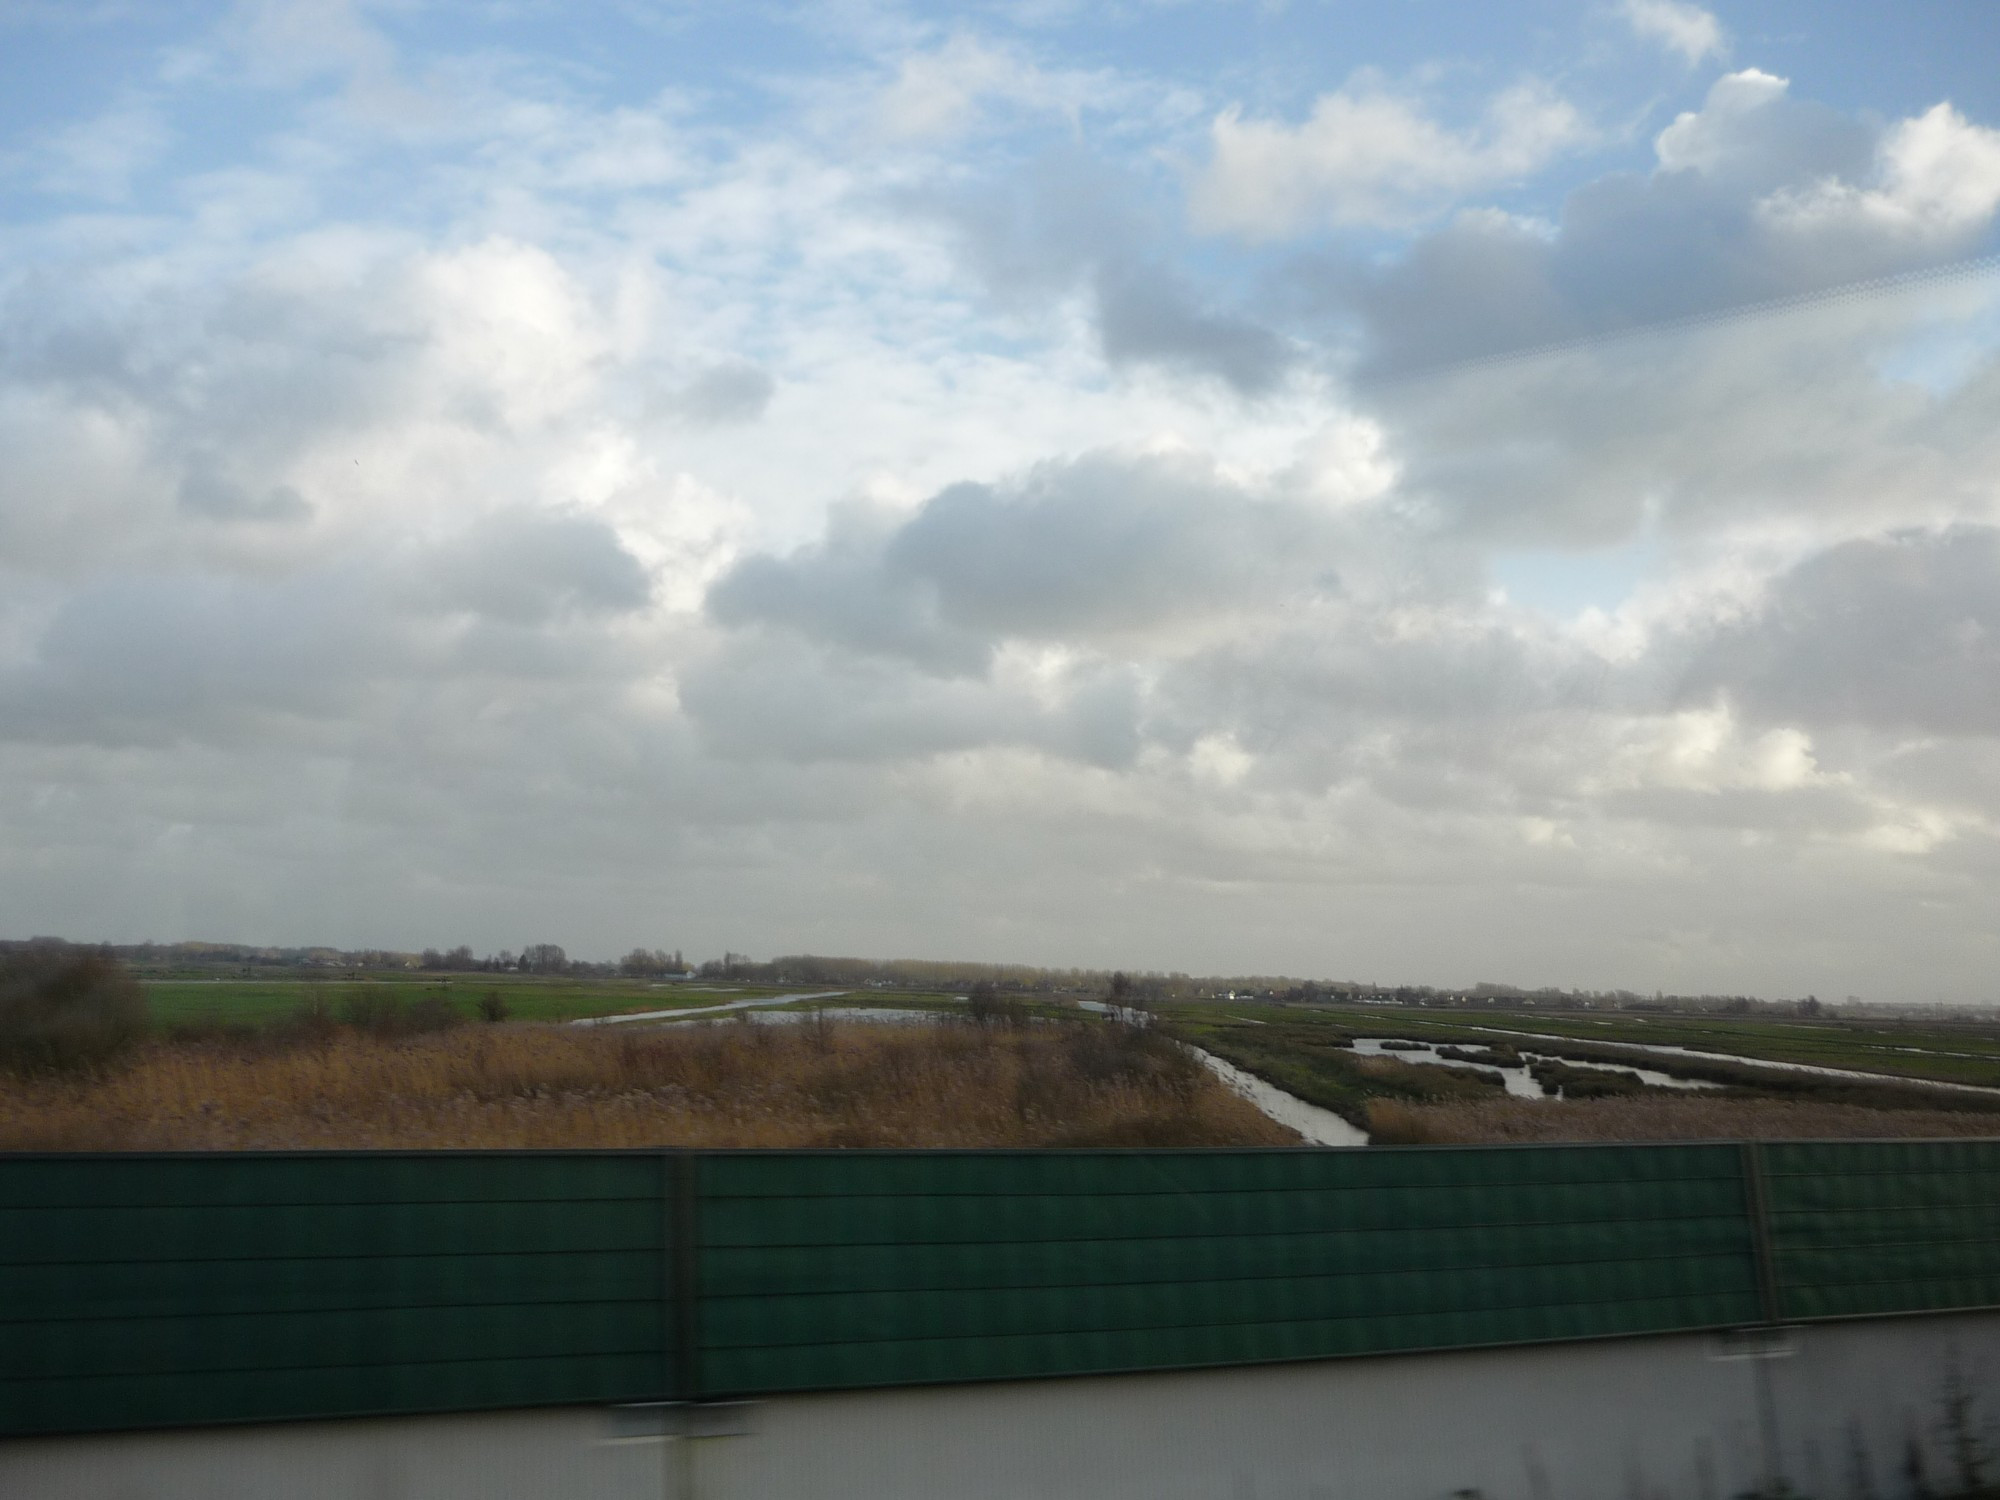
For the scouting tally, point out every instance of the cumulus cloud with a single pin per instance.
(1369, 155)
(1145, 316)
(1936, 184)
(903, 537)
(527, 568)
(152, 660)
(1106, 546)
(1755, 196)
(1899, 633)
(1068, 225)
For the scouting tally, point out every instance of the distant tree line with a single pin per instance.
(1146, 988)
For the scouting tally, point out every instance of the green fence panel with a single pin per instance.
(825, 1271)
(142, 1291)
(1872, 1227)
(160, 1291)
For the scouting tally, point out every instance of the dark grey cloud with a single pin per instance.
(1032, 234)
(1147, 316)
(1899, 634)
(839, 590)
(530, 568)
(161, 659)
(1102, 546)
(796, 700)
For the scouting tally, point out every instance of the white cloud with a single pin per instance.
(657, 519)
(1937, 182)
(1368, 155)
(1758, 196)
(1687, 29)
(99, 158)
(1705, 139)
(938, 92)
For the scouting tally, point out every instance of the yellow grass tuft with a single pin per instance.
(731, 1084)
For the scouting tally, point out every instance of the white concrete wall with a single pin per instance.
(1642, 1419)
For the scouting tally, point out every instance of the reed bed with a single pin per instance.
(1393, 1122)
(732, 1084)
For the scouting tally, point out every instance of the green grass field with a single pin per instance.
(181, 1001)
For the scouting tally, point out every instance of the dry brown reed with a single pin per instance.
(1656, 1118)
(732, 1084)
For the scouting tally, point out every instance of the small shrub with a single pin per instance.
(492, 1006)
(382, 1013)
(986, 1006)
(369, 1010)
(65, 1009)
(313, 1020)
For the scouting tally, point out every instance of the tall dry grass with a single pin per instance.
(1656, 1118)
(733, 1084)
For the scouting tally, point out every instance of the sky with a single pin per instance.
(1423, 492)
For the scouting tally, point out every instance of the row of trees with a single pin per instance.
(823, 972)
(549, 958)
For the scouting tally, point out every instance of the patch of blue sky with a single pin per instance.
(1946, 351)
(72, 61)
(1895, 60)
(1566, 584)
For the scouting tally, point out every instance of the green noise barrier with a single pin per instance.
(141, 1291)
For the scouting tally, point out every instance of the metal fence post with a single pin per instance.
(1757, 1202)
(683, 1211)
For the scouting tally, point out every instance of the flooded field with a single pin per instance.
(1319, 1127)
(1520, 1082)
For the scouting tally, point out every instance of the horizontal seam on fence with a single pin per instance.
(531, 1205)
(972, 1289)
(1330, 1321)
(650, 1350)
(335, 1257)
(1034, 1366)
(1911, 1282)
(1635, 1265)
(1058, 1190)
(767, 1293)
(1239, 1197)
(1987, 1206)
(972, 1237)
(1850, 1246)
(1527, 1263)
(309, 1205)
(1168, 1367)
(1628, 1228)
(1869, 1314)
(1898, 1176)
(641, 1297)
